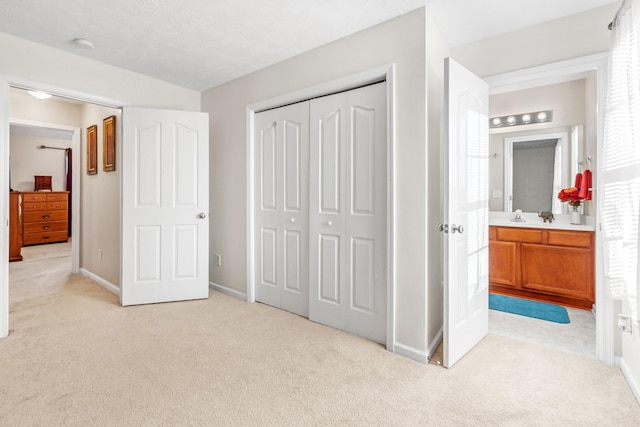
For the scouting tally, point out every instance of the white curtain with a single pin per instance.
(619, 198)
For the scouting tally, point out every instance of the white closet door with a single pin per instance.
(281, 172)
(347, 213)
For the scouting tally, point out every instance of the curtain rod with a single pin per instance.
(615, 17)
(52, 148)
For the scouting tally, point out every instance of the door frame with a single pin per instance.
(75, 178)
(558, 72)
(6, 82)
(378, 74)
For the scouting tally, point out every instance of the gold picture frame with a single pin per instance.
(109, 144)
(92, 150)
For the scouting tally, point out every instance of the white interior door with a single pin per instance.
(165, 206)
(348, 203)
(281, 139)
(466, 252)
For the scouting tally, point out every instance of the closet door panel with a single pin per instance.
(348, 211)
(281, 140)
(366, 218)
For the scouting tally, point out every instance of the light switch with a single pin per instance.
(496, 194)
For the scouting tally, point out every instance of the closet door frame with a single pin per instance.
(375, 75)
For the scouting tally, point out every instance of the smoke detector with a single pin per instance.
(82, 43)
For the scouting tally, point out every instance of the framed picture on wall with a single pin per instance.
(109, 144)
(92, 150)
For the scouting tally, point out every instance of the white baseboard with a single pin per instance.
(99, 280)
(228, 291)
(634, 382)
(411, 353)
(433, 345)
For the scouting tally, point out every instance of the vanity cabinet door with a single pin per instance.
(565, 271)
(502, 263)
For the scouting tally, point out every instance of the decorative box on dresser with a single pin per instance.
(555, 266)
(15, 226)
(44, 217)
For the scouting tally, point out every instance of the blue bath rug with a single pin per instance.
(525, 307)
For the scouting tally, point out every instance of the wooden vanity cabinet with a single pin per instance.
(44, 217)
(555, 266)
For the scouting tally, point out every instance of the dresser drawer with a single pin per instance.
(34, 197)
(29, 206)
(57, 197)
(56, 206)
(36, 238)
(43, 227)
(44, 216)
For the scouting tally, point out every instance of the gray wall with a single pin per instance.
(401, 41)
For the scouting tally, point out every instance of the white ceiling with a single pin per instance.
(199, 44)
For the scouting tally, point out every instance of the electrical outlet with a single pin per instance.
(624, 323)
(99, 254)
(218, 260)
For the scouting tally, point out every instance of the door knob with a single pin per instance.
(329, 223)
(202, 215)
(455, 229)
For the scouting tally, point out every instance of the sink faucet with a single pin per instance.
(518, 217)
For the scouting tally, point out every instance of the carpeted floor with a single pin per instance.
(75, 357)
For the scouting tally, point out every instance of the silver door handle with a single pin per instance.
(329, 223)
(459, 229)
(202, 215)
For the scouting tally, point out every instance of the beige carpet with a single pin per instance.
(75, 357)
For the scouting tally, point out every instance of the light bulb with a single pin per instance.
(542, 116)
(526, 118)
(496, 121)
(511, 120)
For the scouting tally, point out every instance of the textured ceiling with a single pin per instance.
(199, 44)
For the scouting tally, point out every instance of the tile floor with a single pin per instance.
(577, 337)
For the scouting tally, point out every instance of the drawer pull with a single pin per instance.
(45, 216)
(46, 227)
(45, 237)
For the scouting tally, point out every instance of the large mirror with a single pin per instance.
(530, 164)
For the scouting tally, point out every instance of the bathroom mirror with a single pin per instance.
(528, 170)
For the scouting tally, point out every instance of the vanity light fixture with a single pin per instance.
(39, 95)
(532, 118)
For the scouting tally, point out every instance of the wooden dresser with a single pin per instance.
(555, 266)
(15, 226)
(44, 217)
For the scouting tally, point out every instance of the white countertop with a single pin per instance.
(532, 220)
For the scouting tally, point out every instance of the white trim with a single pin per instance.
(433, 345)
(100, 281)
(75, 178)
(556, 72)
(545, 74)
(411, 353)
(63, 92)
(4, 207)
(385, 72)
(251, 220)
(634, 383)
(228, 291)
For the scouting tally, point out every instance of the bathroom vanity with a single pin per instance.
(541, 261)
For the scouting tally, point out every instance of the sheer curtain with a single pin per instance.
(619, 198)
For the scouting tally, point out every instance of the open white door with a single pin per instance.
(466, 213)
(165, 206)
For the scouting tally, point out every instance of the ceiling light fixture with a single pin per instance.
(39, 95)
(82, 43)
(522, 119)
